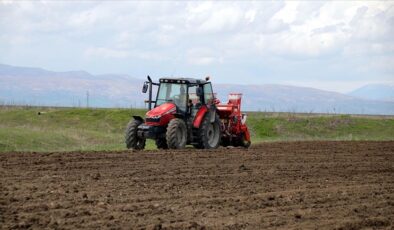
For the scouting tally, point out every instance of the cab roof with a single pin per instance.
(183, 80)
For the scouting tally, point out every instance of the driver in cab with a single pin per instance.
(180, 100)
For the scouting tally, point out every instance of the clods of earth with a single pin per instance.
(319, 185)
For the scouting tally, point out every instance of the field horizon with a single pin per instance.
(64, 129)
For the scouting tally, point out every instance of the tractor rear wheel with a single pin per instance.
(131, 138)
(209, 134)
(176, 134)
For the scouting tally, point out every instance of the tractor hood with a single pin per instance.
(166, 108)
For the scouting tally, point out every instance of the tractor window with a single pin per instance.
(170, 92)
(193, 95)
(208, 93)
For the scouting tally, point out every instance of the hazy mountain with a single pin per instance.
(303, 99)
(21, 85)
(375, 92)
(35, 86)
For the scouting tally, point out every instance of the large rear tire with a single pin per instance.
(131, 138)
(176, 134)
(209, 134)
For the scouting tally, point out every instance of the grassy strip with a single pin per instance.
(69, 129)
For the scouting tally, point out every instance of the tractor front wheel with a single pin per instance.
(131, 138)
(176, 134)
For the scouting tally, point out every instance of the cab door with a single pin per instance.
(209, 100)
(194, 100)
(208, 94)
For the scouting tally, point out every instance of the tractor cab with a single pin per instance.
(186, 93)
(181, 97)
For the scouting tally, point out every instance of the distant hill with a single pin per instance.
(375, 92)
(283, 98)
(35, 86)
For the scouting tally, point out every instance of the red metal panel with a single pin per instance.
(199, 116)
(160, 110)
(165, 112)
(246, 132)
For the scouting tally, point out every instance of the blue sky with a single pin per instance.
(335, 46)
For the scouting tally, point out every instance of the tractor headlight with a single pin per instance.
(156, 117)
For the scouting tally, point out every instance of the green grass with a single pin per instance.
(68, 129)
(286, 126)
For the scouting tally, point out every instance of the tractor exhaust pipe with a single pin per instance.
(148, 85)
(150, 93)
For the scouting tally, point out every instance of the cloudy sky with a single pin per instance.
(336, 45)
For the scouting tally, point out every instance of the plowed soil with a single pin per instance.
(319, 185)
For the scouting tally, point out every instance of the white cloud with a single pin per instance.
(6, 2)
(102, 52)
(84, 19)
(329, 28)
(202, 56)
(380, 64)
(222, 20)
(250, 15)
(364, 48)
(16, 39)
(288, 13)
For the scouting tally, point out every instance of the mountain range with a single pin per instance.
(382, 92)
(36, 86)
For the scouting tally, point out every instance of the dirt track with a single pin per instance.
(346, 185)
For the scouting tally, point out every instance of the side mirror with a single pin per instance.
(145, 87)
(199, 91)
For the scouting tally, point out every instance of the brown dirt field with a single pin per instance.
(302, 185)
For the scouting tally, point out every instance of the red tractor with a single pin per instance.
(187, 112)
